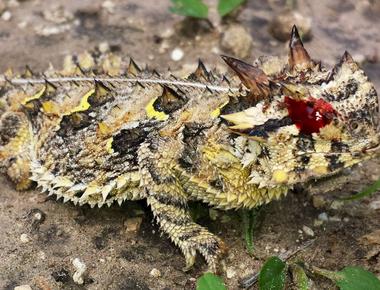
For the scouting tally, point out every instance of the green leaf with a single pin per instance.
(209, 281)
(273, 274)
(227, 6)
(300, 279)
(358, 279)
(191, 8)
(351, 278)
(366, 192)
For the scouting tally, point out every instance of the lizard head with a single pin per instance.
(303, 121)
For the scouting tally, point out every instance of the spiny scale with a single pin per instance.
(103, 130)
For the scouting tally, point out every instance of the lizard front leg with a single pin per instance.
(168, 202)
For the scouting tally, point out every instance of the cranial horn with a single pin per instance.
(345, 59)
(252, 77)
(298, 56)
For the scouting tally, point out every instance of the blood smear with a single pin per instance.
(310, 115)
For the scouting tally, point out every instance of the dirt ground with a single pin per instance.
(39, 237)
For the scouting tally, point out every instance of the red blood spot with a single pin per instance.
(310, 115)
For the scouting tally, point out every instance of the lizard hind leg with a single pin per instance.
(168, 202)
(187, 235)
(15, 141)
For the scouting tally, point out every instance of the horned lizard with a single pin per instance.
(100, 131)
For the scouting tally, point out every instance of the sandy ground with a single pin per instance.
(40, 237)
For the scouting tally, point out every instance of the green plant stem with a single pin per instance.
(250, 220)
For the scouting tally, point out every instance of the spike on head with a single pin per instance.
(345, 59)
(252, 77)
(348, 59)
(298, 56)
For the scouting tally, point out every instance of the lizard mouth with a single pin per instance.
(328, 183)
(373, 149)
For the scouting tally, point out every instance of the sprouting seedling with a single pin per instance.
(190, 8)
(209, 281)
(371, 189)
(198, 9)
(274, 275)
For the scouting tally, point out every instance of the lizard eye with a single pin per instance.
(355, 127)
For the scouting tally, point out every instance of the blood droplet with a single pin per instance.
(310, 115)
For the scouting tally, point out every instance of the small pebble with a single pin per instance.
(61, 276)
(230, 273)
(167, 33)
(155, 273)
(41, 255)
(281, 25)
(336, 204)
(80, 268)
(38, 216)
(323, 217)
(109, 6)
(177, 54)
(318, 201)
(308, 231)
(375, 204)
(23, 287)
(215, 50)
(104, 47)
(22, 24)
(335, 219)
(13, 3)
(49, 30)
(164, 46)
(24, 238)
(318, 223)
(133, 224)
(359, 58)
(6, 16)
(237, 40)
